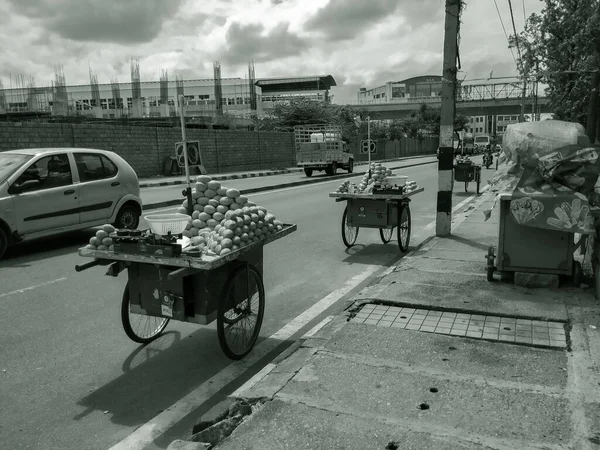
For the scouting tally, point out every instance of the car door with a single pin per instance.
(99, 188)
(45, 196)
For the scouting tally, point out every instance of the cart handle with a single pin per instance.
(82, 267)
(179, 273)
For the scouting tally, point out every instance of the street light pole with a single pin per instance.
(448, 110)
(188, 191)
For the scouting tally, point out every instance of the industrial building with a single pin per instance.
(428, 88)
(205, 98)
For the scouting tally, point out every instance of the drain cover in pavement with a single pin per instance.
(494, 328)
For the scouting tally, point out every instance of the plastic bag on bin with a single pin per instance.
(527, 142)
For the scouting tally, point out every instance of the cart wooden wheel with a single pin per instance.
(386, 234)
(349, 233)
(139, 327)
(404, 227)
(238, 326)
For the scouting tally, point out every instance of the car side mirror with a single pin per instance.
(24, 186)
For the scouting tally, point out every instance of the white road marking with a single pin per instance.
(318, 327)
(254, 380)
(30, 288)
(147, 433)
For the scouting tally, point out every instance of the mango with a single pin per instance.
(232, 193)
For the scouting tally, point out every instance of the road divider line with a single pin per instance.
(152, 430)
(31, 288)
(254, 380)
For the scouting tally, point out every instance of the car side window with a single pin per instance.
(92, 167)
(46, 173)
(110, 169)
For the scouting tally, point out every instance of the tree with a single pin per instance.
(422, 122)
(286, 115)
(561, 47)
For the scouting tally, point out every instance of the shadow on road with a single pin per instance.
(380, 254)
(21, 255)
(155, 376)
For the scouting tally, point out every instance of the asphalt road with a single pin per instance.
(72, 380)
(166, 193)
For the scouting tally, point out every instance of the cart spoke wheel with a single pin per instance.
(241, 310)
(349, 233)
(139, 327)
(404, 227)
(386, 234)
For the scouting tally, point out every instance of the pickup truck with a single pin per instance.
(321, 148)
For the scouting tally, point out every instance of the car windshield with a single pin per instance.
(9, 163)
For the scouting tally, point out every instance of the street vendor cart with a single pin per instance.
(466, 171)
(166, 284)
(383, 211)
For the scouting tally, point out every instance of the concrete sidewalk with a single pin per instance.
(170, 181)
(431, 356)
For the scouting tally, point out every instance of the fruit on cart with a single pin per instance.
(225, 218)
(410, 186)
(378, 179)
(101, 240)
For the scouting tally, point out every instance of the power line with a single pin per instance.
(512, 18)
(505, 33)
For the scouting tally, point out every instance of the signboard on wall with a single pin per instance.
(367, 144)
(193, 155)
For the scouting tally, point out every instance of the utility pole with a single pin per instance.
(447, 115)
(523, 97)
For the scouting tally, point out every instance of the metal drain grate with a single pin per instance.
(505, 329)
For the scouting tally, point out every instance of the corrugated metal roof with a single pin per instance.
(325, 79)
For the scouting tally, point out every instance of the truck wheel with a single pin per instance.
(308, 172)
(351, 166)
(332, 169)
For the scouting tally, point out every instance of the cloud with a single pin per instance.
(113, 21)
(250, 42)
(345, 19)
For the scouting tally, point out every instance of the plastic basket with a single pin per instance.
(164, 224)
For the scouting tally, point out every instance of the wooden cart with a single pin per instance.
(467, 173)
(379, 210)
(192, 288)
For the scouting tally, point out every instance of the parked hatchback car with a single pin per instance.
(53, 190)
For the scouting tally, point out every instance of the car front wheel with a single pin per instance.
(128, 217)
(3, 242)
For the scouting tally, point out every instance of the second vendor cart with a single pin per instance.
(466, 172)
(383, 211)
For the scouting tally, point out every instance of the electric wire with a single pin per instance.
(505, 33)
(512, 18)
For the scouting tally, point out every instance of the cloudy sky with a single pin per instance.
(359, 42)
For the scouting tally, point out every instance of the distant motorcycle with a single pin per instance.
(488, 159)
